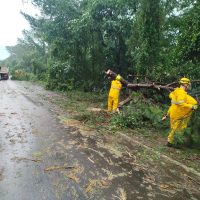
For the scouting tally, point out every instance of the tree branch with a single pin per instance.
(136, 86)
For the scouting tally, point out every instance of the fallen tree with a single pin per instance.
(136, 86)
(150, 85)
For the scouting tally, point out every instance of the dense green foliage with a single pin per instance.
(140, 113)
(22, 75)
(73, 42)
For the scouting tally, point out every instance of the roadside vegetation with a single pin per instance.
(147, 129)
(72, 43)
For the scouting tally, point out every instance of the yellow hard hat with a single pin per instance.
(118, 77)
(184, 81)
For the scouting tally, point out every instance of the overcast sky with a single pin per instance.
(12, 23)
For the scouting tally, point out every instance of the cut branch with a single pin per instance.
(124, 102)
(114, 75)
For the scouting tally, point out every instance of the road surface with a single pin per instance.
(46, 155)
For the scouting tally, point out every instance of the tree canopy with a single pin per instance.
(73, 42)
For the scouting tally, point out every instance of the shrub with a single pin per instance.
(139, 115)
(22, 75)
(192, 133)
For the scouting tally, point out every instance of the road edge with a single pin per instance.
(186, 168)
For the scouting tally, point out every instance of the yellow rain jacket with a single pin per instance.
(113, 97)
(180, 111)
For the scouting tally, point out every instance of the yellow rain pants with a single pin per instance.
(180, 111)
(113, 97)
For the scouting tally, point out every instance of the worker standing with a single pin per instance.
(113, 97)
(180, 111)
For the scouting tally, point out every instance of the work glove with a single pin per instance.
(194, 107)
(164, 117)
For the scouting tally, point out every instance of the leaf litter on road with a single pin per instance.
(121, 194)
(57, 168)
(25, 159)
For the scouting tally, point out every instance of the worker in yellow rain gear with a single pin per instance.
(113, 97)
(180, 111)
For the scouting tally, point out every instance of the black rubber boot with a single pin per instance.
(169, 144)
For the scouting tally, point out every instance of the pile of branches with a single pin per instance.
(149, 85)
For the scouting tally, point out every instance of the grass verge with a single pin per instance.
(140, 120)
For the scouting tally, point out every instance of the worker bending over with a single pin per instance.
(182, 106)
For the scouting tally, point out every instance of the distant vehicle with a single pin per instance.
(4, 73)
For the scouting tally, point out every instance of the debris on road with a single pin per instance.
(23, 158)
(57, 168)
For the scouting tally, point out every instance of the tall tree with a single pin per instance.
(150, 25)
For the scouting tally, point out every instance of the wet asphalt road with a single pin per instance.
(43, 155)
